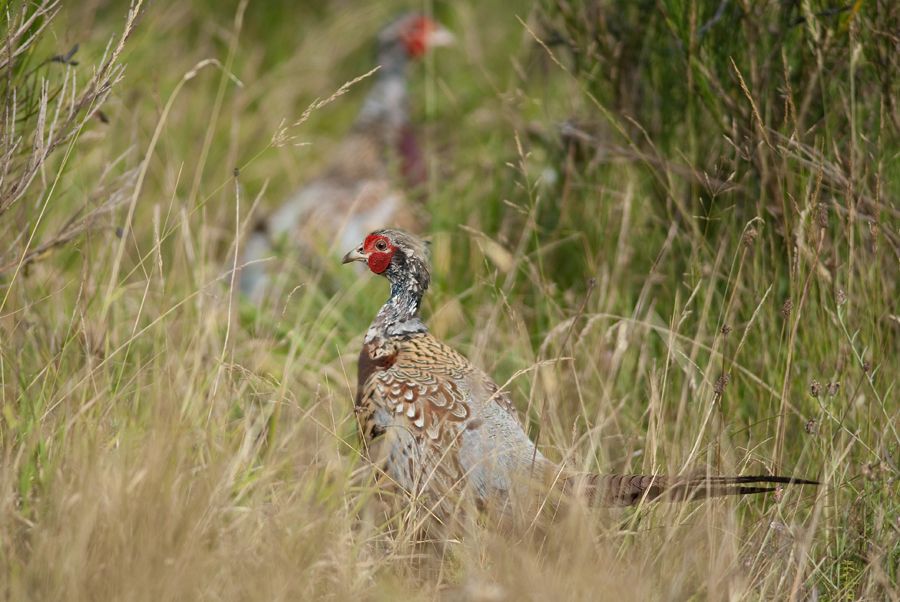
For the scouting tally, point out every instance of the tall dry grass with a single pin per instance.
(671, 226)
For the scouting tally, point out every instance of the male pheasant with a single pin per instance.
(356, 192)
(435, 425)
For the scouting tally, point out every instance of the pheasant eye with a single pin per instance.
(381, 245)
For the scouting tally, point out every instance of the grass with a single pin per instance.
(671, 225)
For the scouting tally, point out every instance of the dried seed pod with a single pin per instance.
(815, 388)
(786, 308)
(822, 215)
(749, 237)
(721, 383)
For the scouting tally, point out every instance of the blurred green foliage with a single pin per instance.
(619, 183)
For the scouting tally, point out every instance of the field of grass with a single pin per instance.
(672, 226)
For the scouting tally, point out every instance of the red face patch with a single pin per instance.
(379, 251)
(415, 38)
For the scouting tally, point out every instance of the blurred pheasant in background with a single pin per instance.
(357, 191)
(435, 425)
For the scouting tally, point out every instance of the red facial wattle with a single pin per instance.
(416, 37)
(379, 252)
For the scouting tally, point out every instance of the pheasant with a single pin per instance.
(435, 425)
(356, 191)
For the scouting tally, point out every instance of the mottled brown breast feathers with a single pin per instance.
(371, 360)
(421, 382)
(416, 380)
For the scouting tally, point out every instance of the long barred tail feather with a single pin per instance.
(630, 490)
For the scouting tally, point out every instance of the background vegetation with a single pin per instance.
(671, 225)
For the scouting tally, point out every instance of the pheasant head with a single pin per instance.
(409, 37)
(403, 260)
(385, 112)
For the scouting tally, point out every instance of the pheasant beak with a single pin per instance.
(440, 36)
(354, 255)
